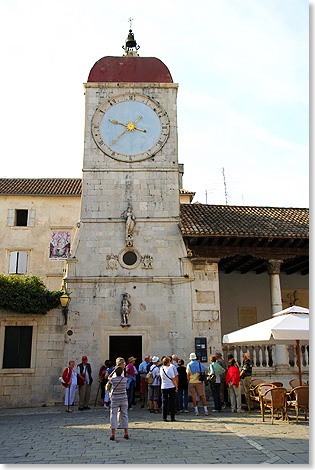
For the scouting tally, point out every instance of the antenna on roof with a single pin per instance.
(225, 188)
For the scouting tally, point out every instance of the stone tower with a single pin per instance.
(130, 294)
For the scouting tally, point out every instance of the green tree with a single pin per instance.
(28, 295)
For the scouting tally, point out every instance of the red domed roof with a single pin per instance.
(130, 69)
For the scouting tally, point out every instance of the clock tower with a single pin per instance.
(130, 293)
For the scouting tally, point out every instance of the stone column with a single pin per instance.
(282, 355)
(275, 288)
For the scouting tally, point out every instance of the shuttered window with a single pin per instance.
(17, 347)
(20, 218)
(18, 262)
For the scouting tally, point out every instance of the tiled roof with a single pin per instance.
(243, 221)
(195, 219)
(41, 186)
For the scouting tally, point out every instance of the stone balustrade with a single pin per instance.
(264, 360)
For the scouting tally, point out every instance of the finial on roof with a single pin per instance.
(131, 46)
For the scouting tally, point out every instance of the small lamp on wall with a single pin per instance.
(64, 300)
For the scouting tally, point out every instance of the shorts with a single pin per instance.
(143, 385)
(196, 388)
(154, 393)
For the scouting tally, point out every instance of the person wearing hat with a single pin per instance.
(85, 371)
(195, 386)
(155, 388)
(130, 373)
(246, 375)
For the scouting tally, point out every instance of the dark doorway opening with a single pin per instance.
(126, 346)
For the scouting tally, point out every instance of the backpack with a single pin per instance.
(149, 377)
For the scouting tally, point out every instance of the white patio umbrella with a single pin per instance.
(291, 324)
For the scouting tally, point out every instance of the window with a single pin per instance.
(17, 347)
(20, 218)
(129, 258)
(18, 262)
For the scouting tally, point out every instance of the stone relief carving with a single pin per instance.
(146, 261)
(112, 261)
(130, 219)
(125, 309)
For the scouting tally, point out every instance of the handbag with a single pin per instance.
(62, 380)
(211, 379)
(202, 376)
(108, 386)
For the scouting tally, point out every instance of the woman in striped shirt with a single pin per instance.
(119, 402)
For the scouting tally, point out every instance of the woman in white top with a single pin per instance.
(71, 379)
(168, 387)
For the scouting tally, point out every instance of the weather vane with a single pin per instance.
(130, 21)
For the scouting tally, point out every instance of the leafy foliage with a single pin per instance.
(28, 295)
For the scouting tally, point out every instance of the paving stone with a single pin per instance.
(44, 437)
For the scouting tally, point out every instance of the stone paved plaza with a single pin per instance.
(51, 436)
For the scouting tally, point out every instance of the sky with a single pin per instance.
(242, 68)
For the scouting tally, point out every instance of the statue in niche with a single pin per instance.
(130, 218)
(125, 309)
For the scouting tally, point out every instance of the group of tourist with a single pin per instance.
(164, 383)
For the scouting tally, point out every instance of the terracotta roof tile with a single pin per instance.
(41, 186)
(195, 219)
(244, 221)
(185, 191)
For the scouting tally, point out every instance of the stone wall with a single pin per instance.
(39, 384)
(206, 303)
(49, 213)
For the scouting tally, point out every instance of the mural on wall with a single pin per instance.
(59, 244)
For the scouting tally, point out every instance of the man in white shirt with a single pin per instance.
(84, 369)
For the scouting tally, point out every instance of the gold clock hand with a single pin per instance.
(119, 136)
(137, 120)
(117, 122)
(142, 130)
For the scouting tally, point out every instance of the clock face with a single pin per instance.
(130, 127)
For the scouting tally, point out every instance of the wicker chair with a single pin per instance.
(254, 393)
(257, 382)
(295, 383)
(298, 398)
(277, 384)
(274, 399)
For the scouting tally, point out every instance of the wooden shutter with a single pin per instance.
(10, 218)
(31, 219)
(22, 262)
(17, 347)
(12, 264)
